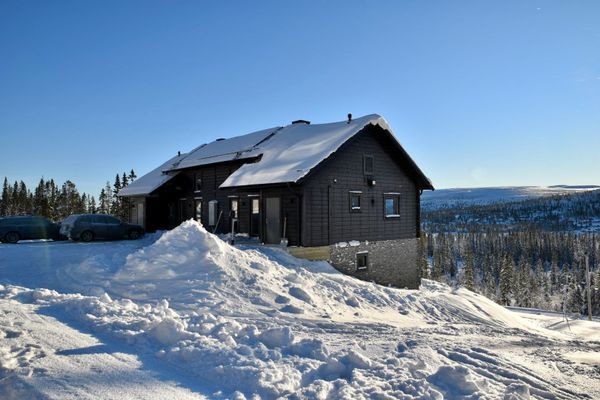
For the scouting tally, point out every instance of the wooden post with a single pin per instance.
(587, 283)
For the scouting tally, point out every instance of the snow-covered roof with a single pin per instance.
(296, 149)
(283, 154)
(235, 148)
(152, 180)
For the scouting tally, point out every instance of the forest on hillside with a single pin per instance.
(56, 202)
(530, 253)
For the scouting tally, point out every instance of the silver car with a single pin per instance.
(88, 227)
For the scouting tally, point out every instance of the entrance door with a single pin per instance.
(140, 215)
(254, 216)
(273, 220)
(183, 215)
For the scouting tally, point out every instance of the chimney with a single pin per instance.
(178, 153)
(349, 117)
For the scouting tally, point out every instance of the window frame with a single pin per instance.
(395, 197)
(360, 266)
(354, 194)
(236, 200)
(372, 158)
(198, 201)
(198, 177)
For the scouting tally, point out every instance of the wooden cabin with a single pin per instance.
(346, 192)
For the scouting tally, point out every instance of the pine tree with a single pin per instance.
(92, 205)
(423, 264)
(132, 176)
(554, 275)
(469, 269)
(115, 207)
(52, 196)
(5, 205)
(102, 199)
(506, 281)
(40, 201)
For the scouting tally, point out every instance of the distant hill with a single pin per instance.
(464, 197)
(558, 209)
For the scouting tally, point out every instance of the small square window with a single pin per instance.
(368, 164)
(198, 183)
(362, 261)
(391, 205)
(355, 201)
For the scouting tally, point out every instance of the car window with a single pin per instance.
(112, 220)
(70, 219)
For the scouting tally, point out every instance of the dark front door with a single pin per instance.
(183, 210)
(272, 220)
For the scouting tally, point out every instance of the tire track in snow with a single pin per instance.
(480, 362)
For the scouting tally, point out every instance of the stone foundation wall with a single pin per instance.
(390, 262)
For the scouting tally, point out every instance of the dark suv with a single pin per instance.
(88, 227)
(13, 229)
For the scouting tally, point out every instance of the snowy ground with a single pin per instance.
(184, 315)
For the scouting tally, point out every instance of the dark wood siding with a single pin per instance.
(327, 215)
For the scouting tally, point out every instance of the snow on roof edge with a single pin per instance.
(151, 181)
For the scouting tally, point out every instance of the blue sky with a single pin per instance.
(479, 93)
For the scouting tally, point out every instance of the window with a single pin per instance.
(198, 183)
(368, 164)
(362, 261)
(391, 205)
(255, 206)
(355, 201)
(198, 210)
(233, 207)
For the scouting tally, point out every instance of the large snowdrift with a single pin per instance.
(245, 322)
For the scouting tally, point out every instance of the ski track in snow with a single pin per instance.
(185, 315)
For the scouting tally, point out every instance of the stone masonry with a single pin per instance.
(390, 262)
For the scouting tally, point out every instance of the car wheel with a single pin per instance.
(134, 234)
(12, 237)
(87, 236)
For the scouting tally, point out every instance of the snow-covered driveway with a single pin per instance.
(41, 357)
(187, 315)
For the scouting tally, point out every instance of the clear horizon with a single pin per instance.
(480, 95)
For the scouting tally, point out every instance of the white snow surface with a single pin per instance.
(238, 147)
(285, 154)
(185, 315)
(151, 181)
(296, 149)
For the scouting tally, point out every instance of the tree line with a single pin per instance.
(533, 268)
(57, 201)
(570, 212)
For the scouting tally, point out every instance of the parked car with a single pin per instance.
(88, 227)
(13, 229)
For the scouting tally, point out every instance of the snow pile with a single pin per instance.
(245, 322)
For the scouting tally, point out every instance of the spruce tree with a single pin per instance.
(506, 281)
(5, 205)
(92, 205)
(115, 208)
(469, 269)
(132, 176)
(423, 264)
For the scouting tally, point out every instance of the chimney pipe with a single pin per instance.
(349, 117)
